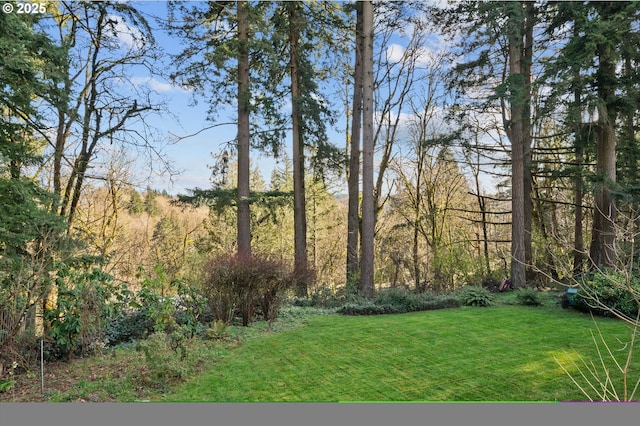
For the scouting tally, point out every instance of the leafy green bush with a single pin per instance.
(528, 297)
(83, 304)
(129, 326)
(367, 309)
(160, 306)
(399, 297)
(245, 287)
(607, 291)
(217, 330)
(325, 298)
(397, 301)
(475, 296)
(163, 358)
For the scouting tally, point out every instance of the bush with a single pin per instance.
(528, 297)
(163, 358)
(245, 287)
(397, 301)
(325, 298)
(129, 326)
(76, 321)
(159, 306)
(217, 330)
(367, 309)
(604, 292)
(399, 297)
(475, 296)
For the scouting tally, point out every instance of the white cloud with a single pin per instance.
(395, 52)
(155, 85)
(131, 37)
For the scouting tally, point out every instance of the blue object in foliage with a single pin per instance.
(570, 293)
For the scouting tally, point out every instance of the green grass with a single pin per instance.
(501, 353)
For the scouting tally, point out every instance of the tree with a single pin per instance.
(222, 42)
(135, 205)
(400, 73)
(95, 105)
(307, 26)
(589, 70)
(167, 246)
(150, 202)
(243, 99)
(368, 144)
(29, 233)
(353, 174)
(518, 128)
(497, 50)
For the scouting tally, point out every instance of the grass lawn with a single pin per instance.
(501, 353)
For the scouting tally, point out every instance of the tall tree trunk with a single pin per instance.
(353, 218)
(578, 239)
(602, 251)
(368, 208)
(580, 143)
(515, 132)
(299, 204)
(244, 217)
(526, 65)
(76, 181)
(415, 254)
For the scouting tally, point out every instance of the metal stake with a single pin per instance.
(42, 366)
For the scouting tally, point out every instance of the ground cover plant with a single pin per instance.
(398, 301)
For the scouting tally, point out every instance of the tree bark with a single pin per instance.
(299, 203)
(602, 251)
(244, 217)
(515, 132)
(368, 208)
(526, 65)
(353, 217)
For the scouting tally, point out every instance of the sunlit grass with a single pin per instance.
(503, 353)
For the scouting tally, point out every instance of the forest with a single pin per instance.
(424, 150)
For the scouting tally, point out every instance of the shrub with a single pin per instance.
(475, 296)
(160, 306)
(368, 308)
(163, 358)
(440, 302)
(244, 286)
(606, 292)
(325, 298)
(397, 301)
(217, 330)
(302, 302)
(528, 297)
(399, 297)
(129, 326)
(84, 302)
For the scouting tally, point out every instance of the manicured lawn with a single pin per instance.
(502, 353)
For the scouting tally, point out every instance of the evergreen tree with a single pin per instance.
(29, 233)
(136, 205)
(594, 68)
(151, 202)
